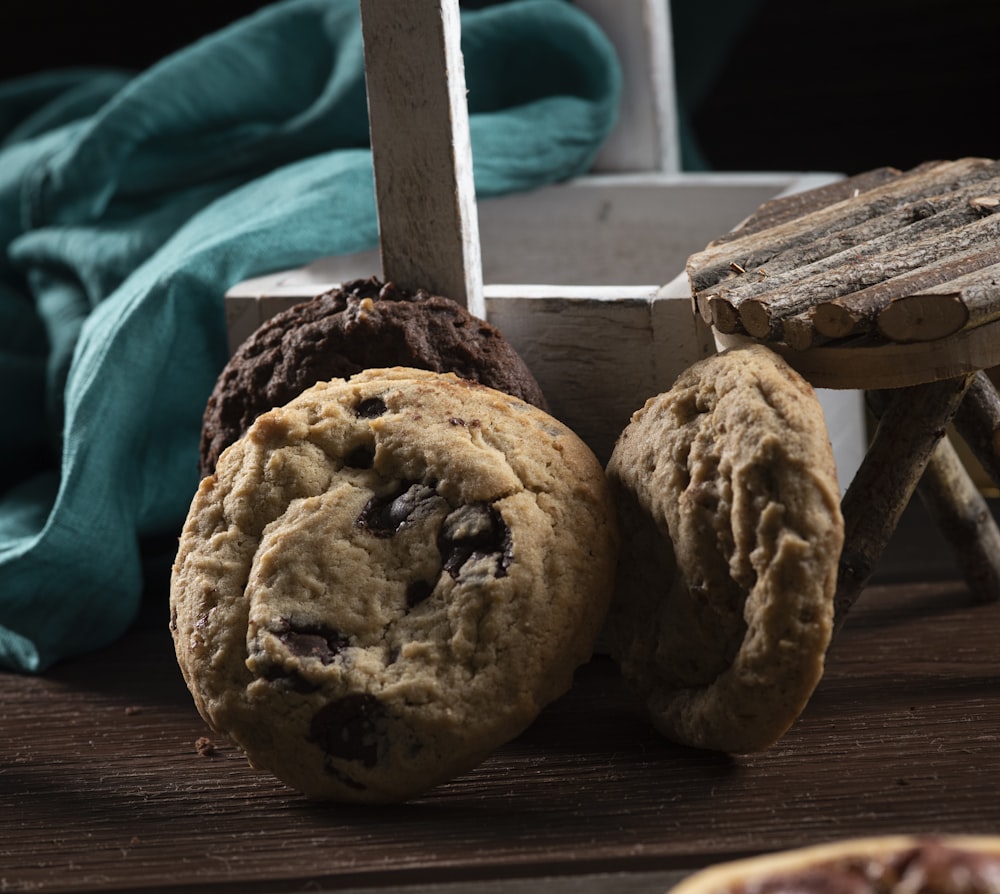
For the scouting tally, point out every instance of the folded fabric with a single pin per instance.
(130, 203)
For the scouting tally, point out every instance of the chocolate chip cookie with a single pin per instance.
(387, 578)
(364, 324)
(879, 864)
(729, 510)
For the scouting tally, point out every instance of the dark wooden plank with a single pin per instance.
(102, 788)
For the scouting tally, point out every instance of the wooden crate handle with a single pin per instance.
(421, 148)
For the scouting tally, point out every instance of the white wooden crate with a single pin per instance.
(585, 278)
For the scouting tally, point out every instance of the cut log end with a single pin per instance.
(723, 316)
(923, 318)
(851, 256)
(837, 321)
(800, 333)
(758, 320)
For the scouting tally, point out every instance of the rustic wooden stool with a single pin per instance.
(889, 283)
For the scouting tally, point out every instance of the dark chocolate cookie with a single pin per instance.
(389, 577)
(364, 324)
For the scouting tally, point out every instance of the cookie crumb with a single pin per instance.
(132, 709)
(205, 746)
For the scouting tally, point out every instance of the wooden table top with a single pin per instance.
(102, 787)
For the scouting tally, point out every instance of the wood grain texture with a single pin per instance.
(841, 276)
(835, 263)
(943, 308)
(810, 218)
(421, 148)
(102, 788)
(891, 298)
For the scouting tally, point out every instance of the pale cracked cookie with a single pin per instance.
(731, 528)
(389, 577)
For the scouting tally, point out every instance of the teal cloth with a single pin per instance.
(129, 203)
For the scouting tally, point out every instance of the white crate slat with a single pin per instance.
(646, 136)
(415, 76)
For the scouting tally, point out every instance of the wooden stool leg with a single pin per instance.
(964, 518)
(978, 422)
(911, 427)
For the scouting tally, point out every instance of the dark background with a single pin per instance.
(764, 84)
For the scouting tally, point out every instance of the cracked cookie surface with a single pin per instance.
(389, 577)
(731, 529)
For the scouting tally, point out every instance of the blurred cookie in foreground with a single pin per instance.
(388, 578)
(729, 510)
(890, 864)
(364, 324)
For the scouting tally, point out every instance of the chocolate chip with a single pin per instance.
(474, 532)
(352, 728)
(370, 408)
(314, 642)
(417, 592)
(360, 457)
(383, 516)
(291, 682)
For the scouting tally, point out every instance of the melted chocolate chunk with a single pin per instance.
(417, 592)
(384, 516)
(360, 457)
(314, 642)
(290, 682)
(475, 532)
(370, 408)
(353, 728)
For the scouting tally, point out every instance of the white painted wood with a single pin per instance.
(607, 230)
(598, 352)
(614, 325)
(421, 148)
(646, 136)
